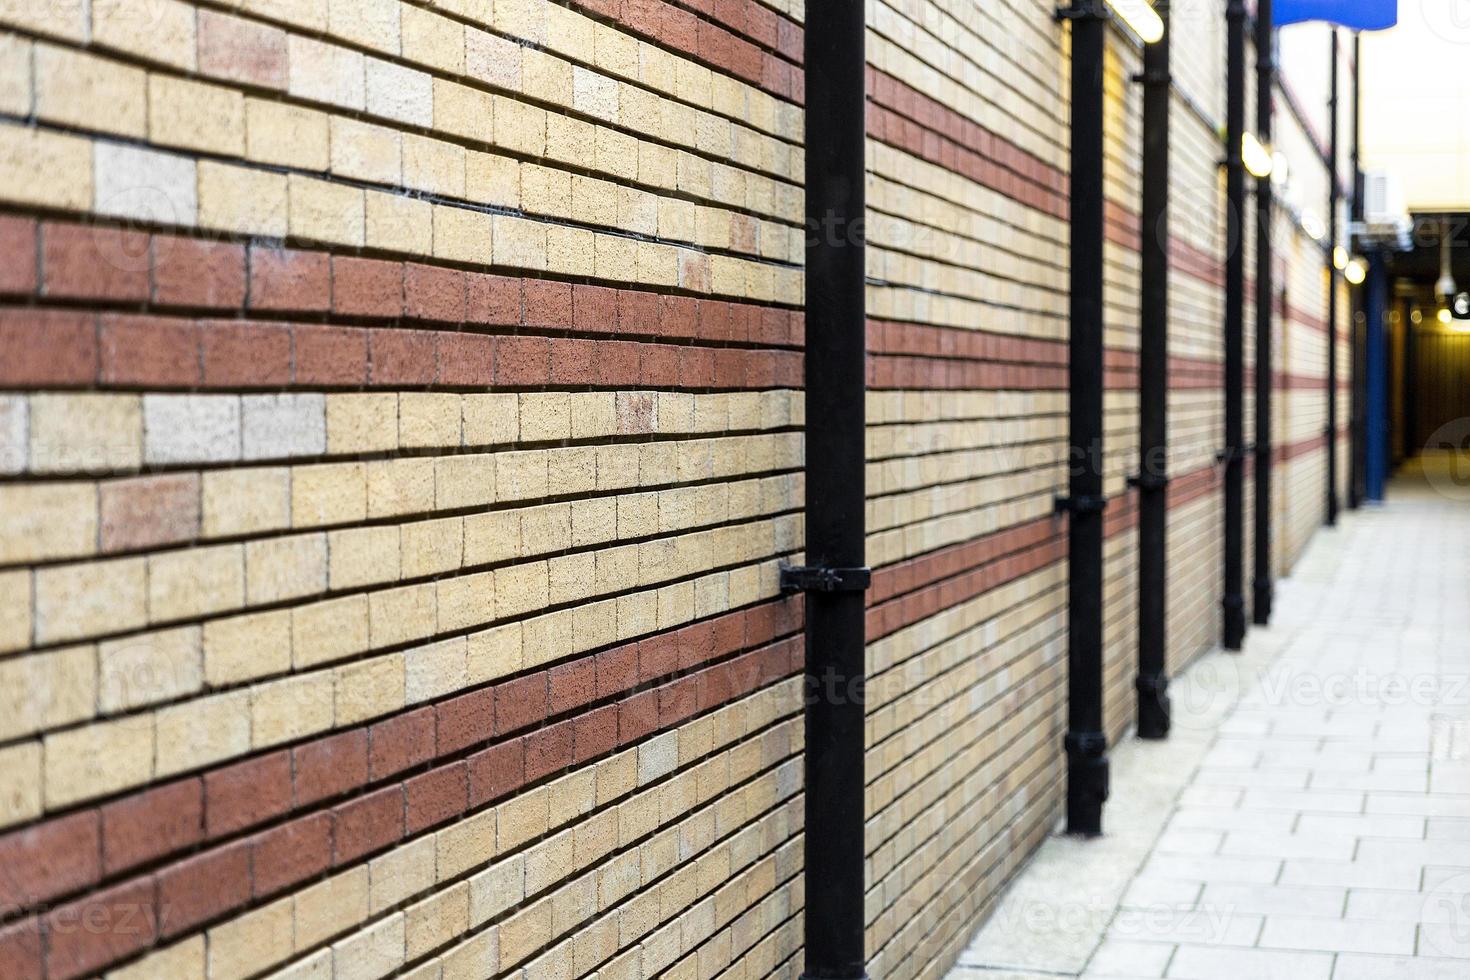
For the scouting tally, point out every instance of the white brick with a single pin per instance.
(145, 185)
(326, 73)
(14, 423)
(400, 93)
(191, 428)
(283, 425)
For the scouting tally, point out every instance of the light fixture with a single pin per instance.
(1312, 225)
(1355, 272)
(1141, 19)
(1416, 316)
(1339, 257)
(1256, 157)
(1445, 286)
(1444, 315)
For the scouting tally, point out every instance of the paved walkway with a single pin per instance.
(1310, 817)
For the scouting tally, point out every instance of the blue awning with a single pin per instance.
(1360, 15)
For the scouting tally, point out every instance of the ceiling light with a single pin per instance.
(1355, 272)
(1141, 19)
(1339, 257)
(1256, 157)
(1312, 225)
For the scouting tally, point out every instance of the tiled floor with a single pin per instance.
(1310, 817)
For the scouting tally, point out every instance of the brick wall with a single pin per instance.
(401, 426)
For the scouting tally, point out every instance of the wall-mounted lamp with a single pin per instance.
(1257, 158)
(1445, 316)
(1339, 257)
(1355, 271)
(1313, 226)
(1141, 19)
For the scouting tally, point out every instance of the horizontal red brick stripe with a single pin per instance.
(65, 854)
(226, 878)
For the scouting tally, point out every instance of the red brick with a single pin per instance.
(520, 702)
(492, 300)
(660, 365)
(638, 312)
(658, 656)
(330, 355)
(618, 363)
(696, 367)
(247, 793)
(101, 928)
(367, 824)
(496, 771)
(466, 359)
(49, 859)
(290, 853)
(17, 255)
(637, 716)
(401, 742)
(548, 750)
(46, 347)
(594, 733)
(330, 766)
(574, 362)
(678, 700)
(403, 357)
(290, 279)
(245, 354)
(195, 273)
(367, 287)
(696, 645)
(151, 351)
(595, 309)
(573, 685)
(714, 320)
(201, 888)
(159, 821)
(547, 303)
(436, 796)
(241, 50)
(617, 670)
(433, 293)
(729, 369)
(94, 262)
(20, 950)
(465, 720)
(148, 511)
(679, 316)
(522, 360)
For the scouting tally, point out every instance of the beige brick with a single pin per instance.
(162, 28)
(74, 601)
(369, 689)
(400, 873)
(46, 690)
(521, 588)
(477, 956)
(494, 653)
(290, 708)
(195, 116)
(15, 610)
(491, 419)
(322, 211)
(464, 481)
(39, 521)
(428, 419)
(285, 568)
(438, 920)
(181, 961)
(465, 601)
(400, 224)
(433, 40)
(372, 953)
(525, 932)
(199, 733)
(64, 19)
(519, 243)
(246, 501)
(326, 631)
(492, 59)
(549, 862)
(45, 169)
(545, 416)
(522, 818)
(330, 493)
(310, 14)
(435, 670)
(400, 486)
(545, 191)
(497, 889)
(20, 782)
(286, 135)
(546, 77)
(402, 614)
(324, 72)
(462, 235)
(463, 111)
(492, 537)
(246, 647)
(363, 556)
(84, 763)
(90, 92)
(362, 423)
(492, 179)
(241, 200)
(520, 127)
(570, 251)
(546, 638)
(370, 23)
(432, 547)
(366, 151)
(247, 944)
(331, 907)
(15, 75)
(195, 582)
(85, 433)
(464, 845)
(521, 475)
(149, 668)
(399, 93)
(433, 165)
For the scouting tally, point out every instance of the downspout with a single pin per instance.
(835, 577)
(1375, 431)
(1085, 742)
(1333, 197)
(1233, 603)
(1153, 394)
(1265, 363)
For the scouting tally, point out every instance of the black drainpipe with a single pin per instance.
(1265, 83)
(1085, 743)
(1153, 394)
(835, 576)
(1333, 197)
(1234, 454)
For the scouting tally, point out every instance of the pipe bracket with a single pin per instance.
(819, 578)
(1149, 481)
(1080, 505)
